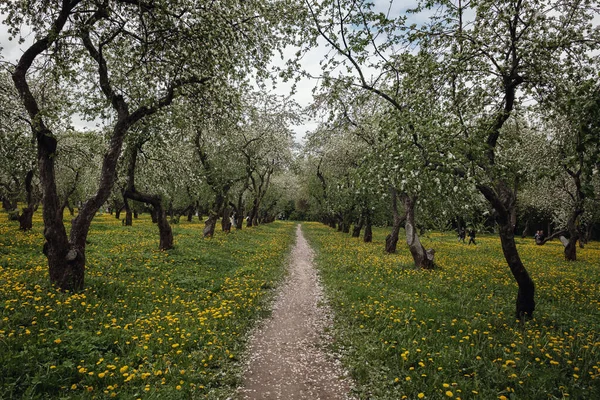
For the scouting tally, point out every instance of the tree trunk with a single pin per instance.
(503, 200)
(368, 236)
(66, 260)
(153, 216)
(525, 232)
(190, 214)
(588, 232)
(525, 296)
(26, 217)
(574, 235)
(252, 216)
(239, 220)
(572, 223)
(135, 214)
(165, 233)
(209, 225)
(213, 215)
(8, 205)
(128, 214)
(118, 212)
(164, 229)
(513, 217)
(391, 240)
(225, 221)
(422, 258)
(358, 227)
(346, 226)
(66, 255)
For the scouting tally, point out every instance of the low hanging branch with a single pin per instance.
(549, 238)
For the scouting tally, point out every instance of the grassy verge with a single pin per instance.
(149, 324)
(451, 333)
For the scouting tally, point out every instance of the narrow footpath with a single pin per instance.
(287, 359)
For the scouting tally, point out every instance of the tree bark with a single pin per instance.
(550, 237)
(154, 216)
(239, 220)
(572, 223)
(26, 217)
(252, 215)
(225, 221)
(368, 236)
(209, 225)
(525, 296)
(503, 199)
(346, 225)
(165, 232)
(525, 232)
(164, 229)
(391, 240)
(574, 235)
(8, 205)
(128, 214)
(358, 227)
(421, 257)
(213, 215)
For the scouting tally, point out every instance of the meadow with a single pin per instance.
(451, 333)
(149, 324)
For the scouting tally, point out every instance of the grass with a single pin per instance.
(451, 332)
(150, 324)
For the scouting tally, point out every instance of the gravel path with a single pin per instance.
(287, 360)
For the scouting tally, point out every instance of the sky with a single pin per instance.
(11, 51)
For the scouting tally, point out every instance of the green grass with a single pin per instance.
(150, 324)
(451, 332)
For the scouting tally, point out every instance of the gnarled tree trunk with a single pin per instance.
(422, 258)
(165, 232)
(66, 255)
(503, 199)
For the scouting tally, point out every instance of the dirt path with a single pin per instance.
(286, 352)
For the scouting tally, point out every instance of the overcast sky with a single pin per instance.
(11, 51)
